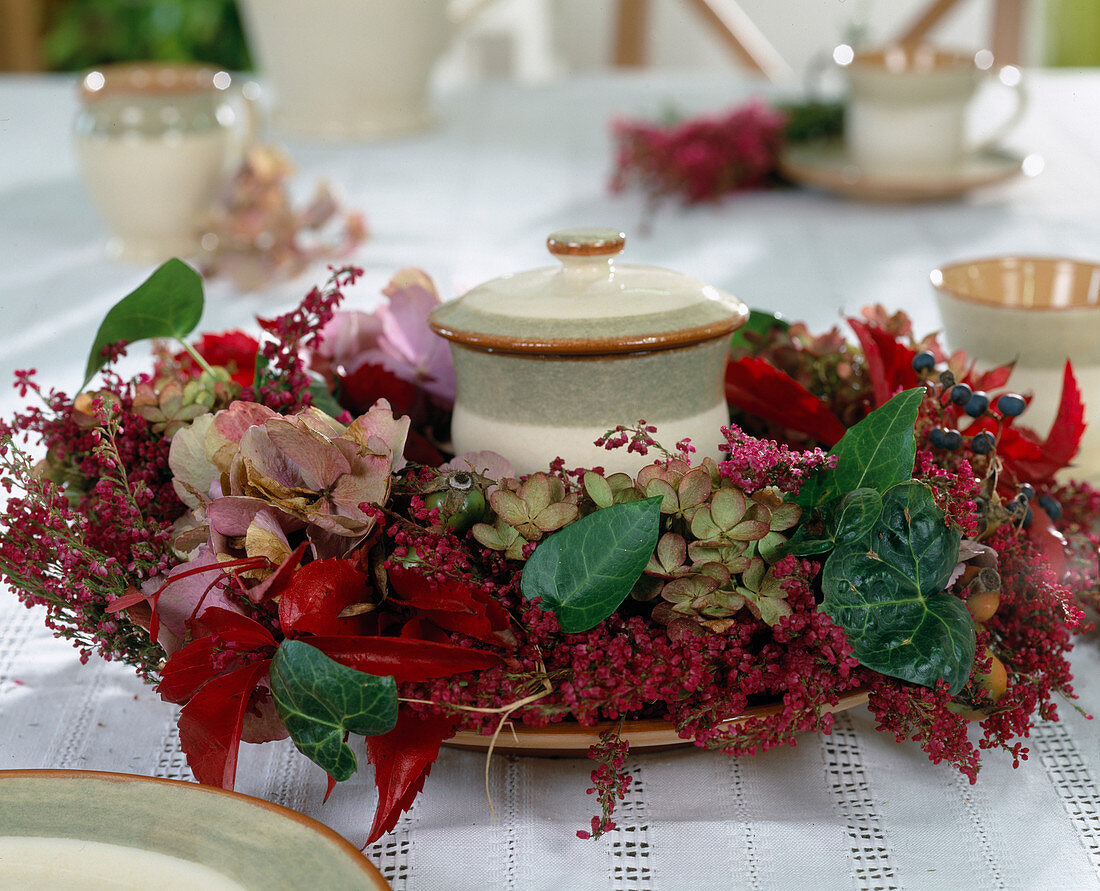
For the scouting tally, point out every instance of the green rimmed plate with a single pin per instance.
(66, 828)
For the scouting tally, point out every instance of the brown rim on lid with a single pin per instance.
(591, 346)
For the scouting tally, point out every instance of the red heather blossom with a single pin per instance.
(699, 159)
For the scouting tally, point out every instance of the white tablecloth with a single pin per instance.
(473, 199)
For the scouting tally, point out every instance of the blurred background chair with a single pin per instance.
(534, 40)
(1007, 25)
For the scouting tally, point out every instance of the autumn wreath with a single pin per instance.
(273, 533)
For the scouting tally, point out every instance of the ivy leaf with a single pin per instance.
(320, 701)
(167, 304)
(888, 595)
(584, 571)
(876, 453)
(855, 514)
(849, 518)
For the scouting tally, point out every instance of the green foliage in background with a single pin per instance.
(82, 33)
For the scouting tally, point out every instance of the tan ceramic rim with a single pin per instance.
(592, 346)
(151, 79)
(799, 166)
(369, 870)
(939, 280)
(938, 60)
(570, 739)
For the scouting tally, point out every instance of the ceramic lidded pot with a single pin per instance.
(550, 359)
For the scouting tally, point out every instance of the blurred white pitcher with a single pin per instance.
(351, 69)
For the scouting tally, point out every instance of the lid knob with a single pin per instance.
(586, 242)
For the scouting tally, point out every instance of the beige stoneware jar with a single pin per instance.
(550, 359)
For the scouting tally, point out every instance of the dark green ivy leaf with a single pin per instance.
(320, 701)
(167, 304)
(876, 453)
(888, 595)
(584, 571)
(846, 519)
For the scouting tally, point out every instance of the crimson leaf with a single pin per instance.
(758, 388)
(402, 760)
(210, 724)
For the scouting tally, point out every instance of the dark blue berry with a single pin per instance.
(960, 394)
(1028, 517)
(1010, 405)
(1051, 506)
(1026, 491)
(951, 439)
(977, 404)
(924, 361)
(935, 436)
(983, 443)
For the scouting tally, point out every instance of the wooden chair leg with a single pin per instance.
(21, 36)
(1008, 29)
(741, 36)
(926, 21)
(632, 17)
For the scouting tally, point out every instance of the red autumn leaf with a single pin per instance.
(210, 724)
(1064, 438)
(1051, 542)
(1031, 461)
(993, 379)
(224, 638)
(360, 389)
(319, 592)
(420, 628)
(758, 388)
(451, 604)
(234, 350)
(407, 659)
(889, 362)
(419, 450)
(402, 760)
(276, 583)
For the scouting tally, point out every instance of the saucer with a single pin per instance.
(825, 165)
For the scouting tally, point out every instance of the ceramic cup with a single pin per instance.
(155, 143)
(908, 107)
(350, 69)
(1038, 311)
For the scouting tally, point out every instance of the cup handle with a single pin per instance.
(1016, 84)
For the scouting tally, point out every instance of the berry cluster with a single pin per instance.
(955, 397)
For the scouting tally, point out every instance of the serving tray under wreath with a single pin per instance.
(572, 740)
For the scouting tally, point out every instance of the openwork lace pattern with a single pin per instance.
(171, 761)
(391, 853)
(630, 850)
(872, 869)
(1074, 783)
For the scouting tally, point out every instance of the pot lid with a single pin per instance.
(589, 304)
